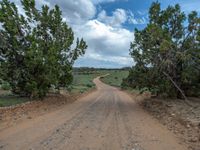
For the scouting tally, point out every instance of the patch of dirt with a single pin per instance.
(12, 115)
(180, 118)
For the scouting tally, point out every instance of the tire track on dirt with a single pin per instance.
(63, 133)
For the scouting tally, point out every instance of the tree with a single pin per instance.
(36, 48)
(167, 52)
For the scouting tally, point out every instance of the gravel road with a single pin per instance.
(107, 119)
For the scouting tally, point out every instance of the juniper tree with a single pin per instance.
(167, 53)
(36, 50)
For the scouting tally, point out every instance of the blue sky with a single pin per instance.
(108, 26)
(140, 8)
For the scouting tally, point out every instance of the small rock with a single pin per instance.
(172, 114)
(188, 126)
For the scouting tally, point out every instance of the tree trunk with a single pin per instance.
(179, 70)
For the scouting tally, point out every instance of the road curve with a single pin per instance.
(107, 119)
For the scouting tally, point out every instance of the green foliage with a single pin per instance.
(9, 101)
(5, 86)
(35, 48)
(89, 85)
(167, 53)
(83, 79)
(115, 77)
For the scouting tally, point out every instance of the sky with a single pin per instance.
(108, 26)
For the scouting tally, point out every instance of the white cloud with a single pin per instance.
(133, 20)
(76, 11)
(101, 1)
(117, 19)
(120, 60)
(106, 43)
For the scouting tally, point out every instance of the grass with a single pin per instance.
(83, 81)
(9, 101)
(115, 77)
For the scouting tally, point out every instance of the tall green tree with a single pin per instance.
(167, 52)
(36, 50)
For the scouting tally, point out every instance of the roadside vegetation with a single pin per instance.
(167, 54)
(82, 82)
(36, 51)
(115, 77)
(12, 100)
(83, 79)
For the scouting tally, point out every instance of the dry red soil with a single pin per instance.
(106, 119)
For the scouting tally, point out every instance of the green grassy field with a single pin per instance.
(115, 77)
(83, 82)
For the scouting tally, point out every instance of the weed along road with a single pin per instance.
(107, 119)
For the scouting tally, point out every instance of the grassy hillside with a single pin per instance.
(115, 77)
(83, 82)
(83, 79)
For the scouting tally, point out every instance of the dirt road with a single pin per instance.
(107, 119)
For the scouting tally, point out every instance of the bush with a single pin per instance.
(5, 86)
(89, 85)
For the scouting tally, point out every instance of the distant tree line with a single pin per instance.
(82, 69)
(167, 53)
(36, 48)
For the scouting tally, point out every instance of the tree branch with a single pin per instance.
(180, 90)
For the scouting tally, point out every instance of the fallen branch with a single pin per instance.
(180, 90)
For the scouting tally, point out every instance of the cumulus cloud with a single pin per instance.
(76, 11)
(106, 43)
(121, 16)
(117, 19)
